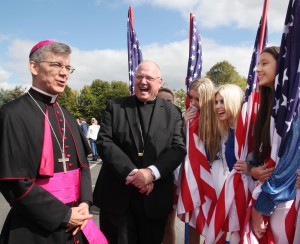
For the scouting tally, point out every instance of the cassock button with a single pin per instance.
(68, 155)
(70, 164)
(65, 138)
(67, 146)
(60, 120)
(62, 129)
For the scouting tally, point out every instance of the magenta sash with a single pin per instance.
(65, 187)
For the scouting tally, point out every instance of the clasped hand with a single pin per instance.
(79, 218)
(142, 179)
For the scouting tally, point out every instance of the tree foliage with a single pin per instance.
(69, 100)
(92, 99)
(223, 72)
(180, 97)
(9, 95)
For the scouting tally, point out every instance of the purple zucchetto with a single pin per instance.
(39, 45)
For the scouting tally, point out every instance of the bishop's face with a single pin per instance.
(51, 74)
(147, 81)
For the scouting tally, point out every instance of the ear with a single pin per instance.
(33, 67)
(160, 82)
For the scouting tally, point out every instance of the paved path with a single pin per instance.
(95, 168)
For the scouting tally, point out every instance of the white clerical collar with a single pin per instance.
(53, 97)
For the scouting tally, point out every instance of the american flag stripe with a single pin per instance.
(286, 104)
(197, 195)
(284, 113)
(230, 210)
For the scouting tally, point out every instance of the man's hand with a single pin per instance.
(259, 227)
(79, 217)
(262, 173)
(147, 189)
(140, 178)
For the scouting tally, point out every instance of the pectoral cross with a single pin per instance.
(63, 160)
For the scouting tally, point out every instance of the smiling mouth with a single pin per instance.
(144, 89)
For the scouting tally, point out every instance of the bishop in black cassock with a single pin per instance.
(36, 215)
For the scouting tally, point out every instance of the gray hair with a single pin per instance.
(56, 48)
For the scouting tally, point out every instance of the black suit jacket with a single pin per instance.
(118, 144)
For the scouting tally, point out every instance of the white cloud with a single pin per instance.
(111, 65)
(214, 13)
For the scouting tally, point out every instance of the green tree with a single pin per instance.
(86, 102)
(7, 95)
(119, 89)
(180, 97)
(93, 98)
(69, 100)
(223, 72)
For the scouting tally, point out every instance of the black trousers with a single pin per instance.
(132, 227)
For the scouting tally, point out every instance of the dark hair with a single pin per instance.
(261, 139)
(273, 50)
(165, 89)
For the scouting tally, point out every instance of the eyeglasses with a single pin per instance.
(59, 66)
(148, 78)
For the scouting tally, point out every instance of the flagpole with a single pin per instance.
(263, 25)
(187, 104)
(131, 16)
(187, 100)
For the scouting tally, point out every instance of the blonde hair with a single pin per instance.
(233, 100)
(208, 131)
(94, 121)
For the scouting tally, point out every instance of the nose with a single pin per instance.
(64, 70)
(257, 68)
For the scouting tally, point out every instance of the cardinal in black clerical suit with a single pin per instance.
(141, 143)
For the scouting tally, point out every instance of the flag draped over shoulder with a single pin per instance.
(196, 193)
(284, 132)
(134, 51)
(230, 210)
(285, 121)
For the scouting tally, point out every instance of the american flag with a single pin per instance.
(285, 129)
(135, 56)
(196, 194)
(243, 135)
(195, 55)
(287, 81)
(285, 115)
(230, 210)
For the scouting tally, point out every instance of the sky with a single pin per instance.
(96, 30)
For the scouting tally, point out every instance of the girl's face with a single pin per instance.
(194, 98)
(266, 70)
(221, 112)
